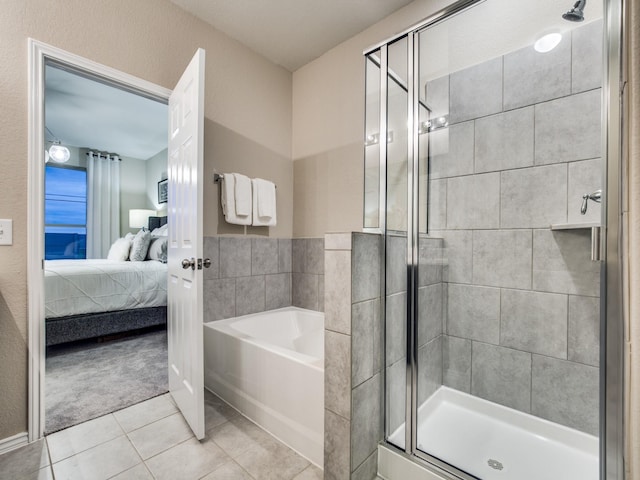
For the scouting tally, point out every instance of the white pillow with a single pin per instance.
(140, 246)
(120, 250)
(158, 249)
(161, 231)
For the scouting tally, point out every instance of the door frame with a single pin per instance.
(38, 53)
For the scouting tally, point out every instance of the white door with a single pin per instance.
(186, 132)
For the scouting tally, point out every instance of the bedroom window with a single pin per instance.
(65, 212)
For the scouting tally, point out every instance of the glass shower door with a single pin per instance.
(507, 297)
(397, 189)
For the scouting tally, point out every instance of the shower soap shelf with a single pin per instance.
(595, 235)
(574, 226)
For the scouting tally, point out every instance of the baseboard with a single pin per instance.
(11, 443)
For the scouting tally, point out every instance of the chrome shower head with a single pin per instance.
(576, 14)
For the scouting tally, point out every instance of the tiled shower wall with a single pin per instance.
(522, 301)
(253, 274)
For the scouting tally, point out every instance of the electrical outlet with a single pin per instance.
(6, 232)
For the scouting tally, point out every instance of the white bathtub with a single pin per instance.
(270, 366)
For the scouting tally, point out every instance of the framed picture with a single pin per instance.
(163, 186)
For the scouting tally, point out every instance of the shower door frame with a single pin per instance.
(611, 390)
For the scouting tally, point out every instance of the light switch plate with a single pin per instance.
(6, 231)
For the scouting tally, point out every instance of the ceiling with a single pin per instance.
(127, 124)
(291, 33)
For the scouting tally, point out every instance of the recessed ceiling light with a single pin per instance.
(547, 42)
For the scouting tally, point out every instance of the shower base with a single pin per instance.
(493, 442)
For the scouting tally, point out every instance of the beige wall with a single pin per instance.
(632, 306)
(246, 96)
(328, 126)
(155, 170)
(132, 190)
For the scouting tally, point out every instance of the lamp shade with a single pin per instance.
(139, 218)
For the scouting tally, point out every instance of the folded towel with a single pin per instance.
(264, 202)
(228, 200)
(243, 195)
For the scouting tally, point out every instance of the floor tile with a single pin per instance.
(190, 460)
(43, 474)
(310, 473)
(229, 471)
(82, 437)
(139, 472)
(161, 435)
(272, 461)
(100, 462)
(238, 435)
(25, 460)
(143, 413)
(216, 411)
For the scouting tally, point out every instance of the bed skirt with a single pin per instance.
(81, 327)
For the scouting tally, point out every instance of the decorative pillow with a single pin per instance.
(120, 250)
(140, 246)
(158, 249)
(160, 231)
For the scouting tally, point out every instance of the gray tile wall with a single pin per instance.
(353, 357)
(520, 302)
(254, 274)
(307, 262)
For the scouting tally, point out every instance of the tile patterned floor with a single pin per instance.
(151, 440)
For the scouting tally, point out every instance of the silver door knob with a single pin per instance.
(207, 262)
(186, 263)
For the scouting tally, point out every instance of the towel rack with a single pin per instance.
(218, 177)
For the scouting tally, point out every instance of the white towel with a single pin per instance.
(243, 195)
(264, 203)
(228, 200)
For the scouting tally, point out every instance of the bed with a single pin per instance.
(98, 297)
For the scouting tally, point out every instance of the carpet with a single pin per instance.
(88, 380)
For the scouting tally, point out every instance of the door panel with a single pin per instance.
(186, 127)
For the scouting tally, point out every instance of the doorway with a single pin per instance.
(63, 63)
(105, 317)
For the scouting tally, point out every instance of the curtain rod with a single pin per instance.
(105, 155)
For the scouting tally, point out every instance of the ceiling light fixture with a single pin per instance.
(547, 42)
(57, 152)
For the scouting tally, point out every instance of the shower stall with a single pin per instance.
(487, 126)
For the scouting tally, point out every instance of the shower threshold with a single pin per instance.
(493, 442)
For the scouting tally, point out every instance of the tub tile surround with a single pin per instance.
(521, 302)
(254, 274)
(353, 418)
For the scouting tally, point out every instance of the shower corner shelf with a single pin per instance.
(574, 226)
(595, 228)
